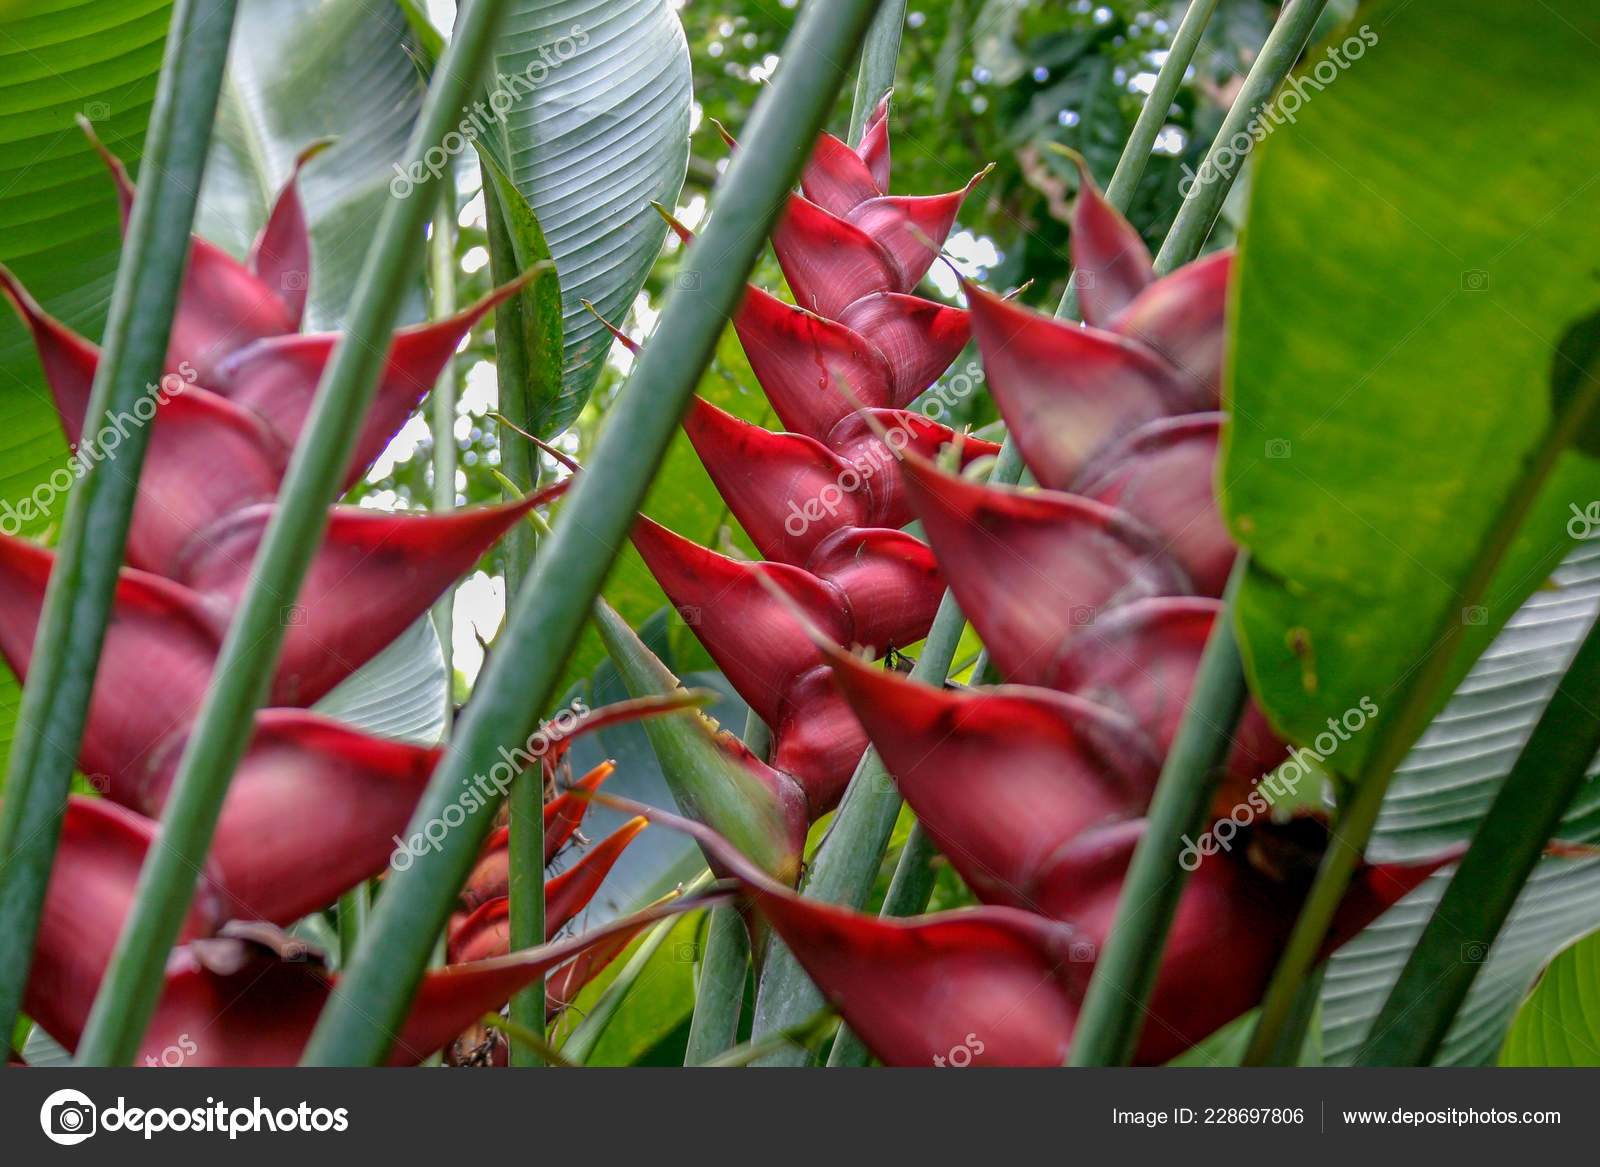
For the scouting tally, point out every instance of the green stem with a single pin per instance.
(1203, 203)
(879, 54)
(1525, 814)
(371, 1000)
(1114, 1009)
(244, 667)
(719, 997)
(1348, 842)
(519, 464)
(442, 421)
(1152, 117)
(353, 907)
(78, 601)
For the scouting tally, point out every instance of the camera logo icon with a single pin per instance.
(68, 1117)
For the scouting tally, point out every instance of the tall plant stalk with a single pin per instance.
(519, 463)
(77, 605)
(133, 982)
(442, 421)
(367, 1007)
(863, 824)
(879, 53)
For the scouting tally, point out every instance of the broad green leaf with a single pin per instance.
(58, 214)
(538, 305)
(400, 693)
(1437, 798)
(1559, 1025)
(596, 130)
(1413, 253)
(298, 71)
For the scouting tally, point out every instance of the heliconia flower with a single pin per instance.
(837, 178)
(563, 815)
(1031, 568)
(374, 575)
(485, 931)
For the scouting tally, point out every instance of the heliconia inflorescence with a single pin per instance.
(316, 806)
(1094, 594)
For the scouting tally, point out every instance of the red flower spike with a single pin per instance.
(1181, 316)
(1066, 390)
(1031, 569)
(1163, 474)
(374, 574)
(802, 359)
(1113, 264)
(281, 254)
(774, 482)
(757, 644)
(918, 338)
(486, 932)
(564, 985)
(90, 893)
(1001, 778)
(277, 376)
